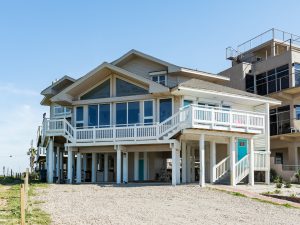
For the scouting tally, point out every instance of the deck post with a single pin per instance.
(184, 163)
(61, 165)
(136, 166)
(212, 161)
(192, 164)
(118, 149)
(188, 164)
(51, 161)
(84, 159)
(78, 169)
(267, 139)
(174, 162)
(251, 163)
(232, 161)
(145, 166)
(70, 165)
(57, 163)
(202, 160)
(125, 167)
(105, 167)
(94, 158)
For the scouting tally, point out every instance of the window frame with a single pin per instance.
(96, 85)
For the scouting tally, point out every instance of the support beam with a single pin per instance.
(267, 139)
(232, 160)
(174, 162)
(251, 161)
(212, 161)
(192, 165)
(125, 167)
(94, 168)
(57, 164)
(178, 166)
(105, 167)
(118, 164)
(84, 159)
(136, 166)
(188, 163)
(70, 165)
(61, 165)
(51, 161)
(145, 166)
(202, 160)
(183, 162)
(78, 169)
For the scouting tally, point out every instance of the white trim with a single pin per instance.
(229, 95)
(205, 74)
(155, 73)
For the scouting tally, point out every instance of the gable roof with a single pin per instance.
(58, 85)
(172, 68)
(99, 73)
(212, 88)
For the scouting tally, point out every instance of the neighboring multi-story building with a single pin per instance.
(140, 118)
(269, 65)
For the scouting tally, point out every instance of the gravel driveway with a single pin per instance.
(140, 204)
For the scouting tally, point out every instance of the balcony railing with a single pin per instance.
(193, 116)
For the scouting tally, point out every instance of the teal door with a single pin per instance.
(141, 169)
(242, 148)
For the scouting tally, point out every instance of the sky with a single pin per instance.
(41, 41)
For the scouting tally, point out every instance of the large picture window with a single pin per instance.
(99, 115)
(297, 74)
(127, 113)
(101, 91)
(280, 120)
(165, 109)
(124, 88)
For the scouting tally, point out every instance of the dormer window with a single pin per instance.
(159, 77)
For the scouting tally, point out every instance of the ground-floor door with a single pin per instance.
(141, 169)
(242, 148)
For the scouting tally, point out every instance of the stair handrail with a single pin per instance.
(70, 130)
(241, 169)
(222, 167)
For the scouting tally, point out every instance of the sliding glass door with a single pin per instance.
(127, 113)
(99, 115)
(165, 109)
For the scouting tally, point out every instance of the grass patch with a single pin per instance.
(10, 211)
(273, 203)
(238, 194)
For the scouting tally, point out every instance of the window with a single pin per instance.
(261, 84)
(127, 113)
(282, 77)
(278, 158)
(148, 112)
(280, 120)
(165, 109)
(297, 74)
(272, 86)
(249, 83)
(104, 115)
(93, 115)
(79, 116)
(161, 79)
(124, 88)
(101, 91)
(297, 112)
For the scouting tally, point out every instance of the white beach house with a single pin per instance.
(141, 119)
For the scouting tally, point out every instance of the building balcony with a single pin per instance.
(190, 117)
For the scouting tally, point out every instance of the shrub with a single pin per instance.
(277, 191)
(278, 185)
(278, 179)
(287, 184)
(297, 175)
(273, 175)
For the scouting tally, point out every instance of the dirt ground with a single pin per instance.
(157, 204)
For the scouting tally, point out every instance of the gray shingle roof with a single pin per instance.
(209, 86)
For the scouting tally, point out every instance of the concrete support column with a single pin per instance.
(292, 154)
(202, 160)
(51, 161)
(70, 165)
(232, 160)
(94, 168)
(145, 166)
(136, 166)
(188, 163)
(105, 167)
(125, 167)
(212, 161)
(192, 165)
(118, 165)
(78, 169)
(57, 163)
(183, 162)
(251, 162)
(84, 162)
(174, 162)
(267, 139)
(178, 166)
(61, 165)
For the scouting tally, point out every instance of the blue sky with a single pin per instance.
(41, 41)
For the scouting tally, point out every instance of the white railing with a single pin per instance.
(222, 167)
(260, 160)
(218, 118)
(187, 117)
(241, 169)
